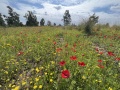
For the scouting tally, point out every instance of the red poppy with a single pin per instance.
(73, 57)
(82, 64)
(66, 45)
(96, 49)
(101, 66)
(20, 53)
(117, 59)
(62, 63)
(100, 52)
(73, 49)
(99, 61)
(58, 49)
(65, 74)
(54, 43)
(111, 53)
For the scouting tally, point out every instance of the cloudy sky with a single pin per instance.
(53, 10)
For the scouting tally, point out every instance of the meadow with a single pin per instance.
(55, 58)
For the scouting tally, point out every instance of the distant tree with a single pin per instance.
(21, 24)
(67, 18)
(13, 18)
(59, 25)
(42, 22)
(31, 19)
(107, 25)
(2, 22)
(49, 23)
(54, 24)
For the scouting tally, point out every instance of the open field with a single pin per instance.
(53, 58)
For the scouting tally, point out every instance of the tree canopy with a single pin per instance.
(13, 18)
(67, 18)
(31, 19)
(2, 22)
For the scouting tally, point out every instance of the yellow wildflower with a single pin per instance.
(51, 73)
(36, 79)
(35, 87)
(8, 44)
(40, 86)
(13, 85)
(83, 77)
(51, 80)
(109, 88)
(23, 83)
(6, 72)
(16, 88)
(45, 73)
(37, 70)
(52, 62)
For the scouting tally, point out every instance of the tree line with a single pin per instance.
(13, 19)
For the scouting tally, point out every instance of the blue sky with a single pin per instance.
(53, 10)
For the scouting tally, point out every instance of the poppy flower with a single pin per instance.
(20, 53)
(54, 43)
(73, 49)
(66, 45)
(65, 74)
(96, 49)
(100, 66)
(100, 52)
(111, 53)
(82, 64)
(58, 49)
(117, 59)
(99, 61)
(62, 63)
(73, 57)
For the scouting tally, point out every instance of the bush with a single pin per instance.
(88, 25)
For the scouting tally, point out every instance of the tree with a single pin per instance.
(54, 24)
(13, 18)
(2, 22)
(67, 18)
(42, 22)
(31, 19)
(49, 23)
(90, 23)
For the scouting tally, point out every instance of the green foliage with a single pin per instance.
(90, 23)
(67, 18)
(42, 22)
(2, 22)
(13, 18)
(31, 19)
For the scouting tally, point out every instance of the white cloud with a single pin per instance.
(79, 9)
(115, 8)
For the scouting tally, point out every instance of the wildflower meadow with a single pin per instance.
(54, 58)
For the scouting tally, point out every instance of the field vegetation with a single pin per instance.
(57, 58)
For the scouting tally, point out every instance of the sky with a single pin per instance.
(53, 10)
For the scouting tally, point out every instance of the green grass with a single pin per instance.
(30, 57)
